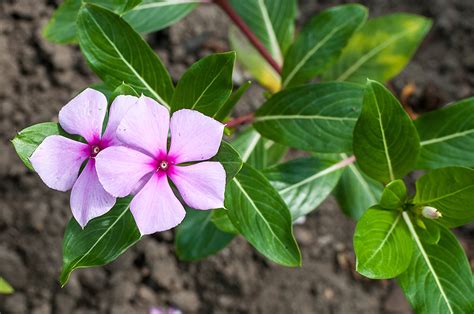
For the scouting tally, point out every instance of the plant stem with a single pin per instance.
(248, 118)
(227, 8)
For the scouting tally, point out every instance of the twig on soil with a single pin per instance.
(227, 8)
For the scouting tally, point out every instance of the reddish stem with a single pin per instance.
(227, 8)
(248, 118)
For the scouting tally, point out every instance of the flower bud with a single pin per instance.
(430, 212)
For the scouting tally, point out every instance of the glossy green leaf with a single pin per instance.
(262, 217)
(5, 287)
(222, 221)
(386, 143)
(428, 230)
(230, 160)
(394, 195)
(118, 54)
(197, 237)
(314, 117)
(258, 152)
(272, 21)
(449, 190)
(154, 15)
(444, 134)
(230, 103)
(206, 85)
(382, 244)
(304, 183)
(320, 43)
(380, 49)
(144, 16)
(439, 278)
(27, 140)
(101, 241)
(253, 62)
(356, 192)
(61, 28)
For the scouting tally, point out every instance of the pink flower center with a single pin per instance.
(95, 149)
(163, 165)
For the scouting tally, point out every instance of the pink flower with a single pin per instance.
(163, 310)
(58, 159)
(144, 130)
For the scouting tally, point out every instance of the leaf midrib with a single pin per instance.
(427, 259)
(384, 140)
(144, 82)
(152, 5)
(446, 137)
(446, 195)
(275, 47)
(315, 176)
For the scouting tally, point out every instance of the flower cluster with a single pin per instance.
(131, 157)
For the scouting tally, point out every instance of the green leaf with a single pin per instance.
(439, 278)
(222, 221)
(154, 15)
(382, 244)
(428, 230)
(449, 190)
(148, 16)
(230, 160)
(258, 152)
(356, 192)
(61, 28)
(253, 62)
(380, 49)
(445, 145)
(124, 89)
(5, 287)
(227, 107)
(197, 237)
(394, 195)
(320, 43)
(27, 140)
(262, 217)
(304, 183)
(118, 54)
(206, 85)
(386, 143)
(314, 117)
(101, 241)
(272, 21)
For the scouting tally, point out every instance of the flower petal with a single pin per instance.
(57, 161)
(88, 197)
(84, 115)
(118, 109)
(146, 127)
(202, 185)
(194, 136)
(155, 208)
(121, 168)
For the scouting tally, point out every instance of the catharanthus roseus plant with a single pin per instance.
(156, 158)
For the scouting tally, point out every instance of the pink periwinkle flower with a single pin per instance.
(58, 159)
(145, 158)
(163, 310)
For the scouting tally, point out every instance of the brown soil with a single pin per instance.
(38, 78)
